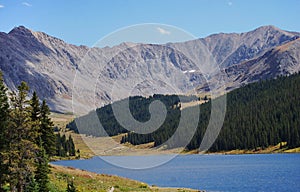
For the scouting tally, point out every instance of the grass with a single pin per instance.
(90, 146)
(61, 120)
(91, 182)
(279, 148)
(295, 150)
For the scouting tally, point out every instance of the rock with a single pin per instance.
(103, 75)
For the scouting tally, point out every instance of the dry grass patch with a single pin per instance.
(91, 182)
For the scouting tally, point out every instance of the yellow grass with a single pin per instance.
(91, 182)
(295, 150)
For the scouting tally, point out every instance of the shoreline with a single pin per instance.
(83, 179)
(110, 146)
(193, 152)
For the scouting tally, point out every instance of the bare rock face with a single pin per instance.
(58, 71)
(281, 60)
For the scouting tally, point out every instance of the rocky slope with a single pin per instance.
(81, 78)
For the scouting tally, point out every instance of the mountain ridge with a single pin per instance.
(51, 66)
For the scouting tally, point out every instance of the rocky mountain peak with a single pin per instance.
(49, 64)
(21, 32)
(273, 30)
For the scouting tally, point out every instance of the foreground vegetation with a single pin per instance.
(26, 141)
(91, 182)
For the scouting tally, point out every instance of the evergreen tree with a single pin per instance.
(35, 107)
(78, 154)
(72, 151)
(22, 148)
(31, 184)
(58, 145)
(4, 114)
(46, 130)
(35, 116)
(23, 165)
(65, 147)
(42, 171)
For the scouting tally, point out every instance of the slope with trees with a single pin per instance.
(27, 140)
(258, 115)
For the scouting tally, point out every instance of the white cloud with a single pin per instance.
(163, 31)
(1, 6)
(230, 3)
(26, 4)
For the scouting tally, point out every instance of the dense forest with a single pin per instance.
(27, 141)
(258, 115)
(139, 108)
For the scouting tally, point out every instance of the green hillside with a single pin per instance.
(258, 115)
(261, 114)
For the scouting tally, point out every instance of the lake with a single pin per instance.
(259, 172)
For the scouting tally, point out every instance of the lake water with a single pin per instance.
(263, 172)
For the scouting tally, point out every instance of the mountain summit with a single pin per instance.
(49, 65)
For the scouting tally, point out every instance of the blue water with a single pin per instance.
(265, 172)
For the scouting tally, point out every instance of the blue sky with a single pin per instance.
(85, 22)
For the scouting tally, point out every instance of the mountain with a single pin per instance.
(281, 60)
(80, 78)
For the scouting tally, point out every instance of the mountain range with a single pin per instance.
(80, 78)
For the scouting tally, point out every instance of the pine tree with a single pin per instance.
(78, 154)
(21, 123)
(31, 184)
(46, 129)
(35, 116)
(35, 107)
(22, 148)
(42, 171)
(72, 151)
(64, 147)
(58, 145)
(4, 114)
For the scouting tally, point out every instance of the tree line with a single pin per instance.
(258, 115)
(27, 141)
(65, 147)
(261, 114)
(139, 108)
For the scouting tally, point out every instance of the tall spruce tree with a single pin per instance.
(42, 171)
(31, 184)
(35, 107)
(35, 117)
(71, 146)
(4, 114)
(22, 148)
(46, 130)
(24, 165)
